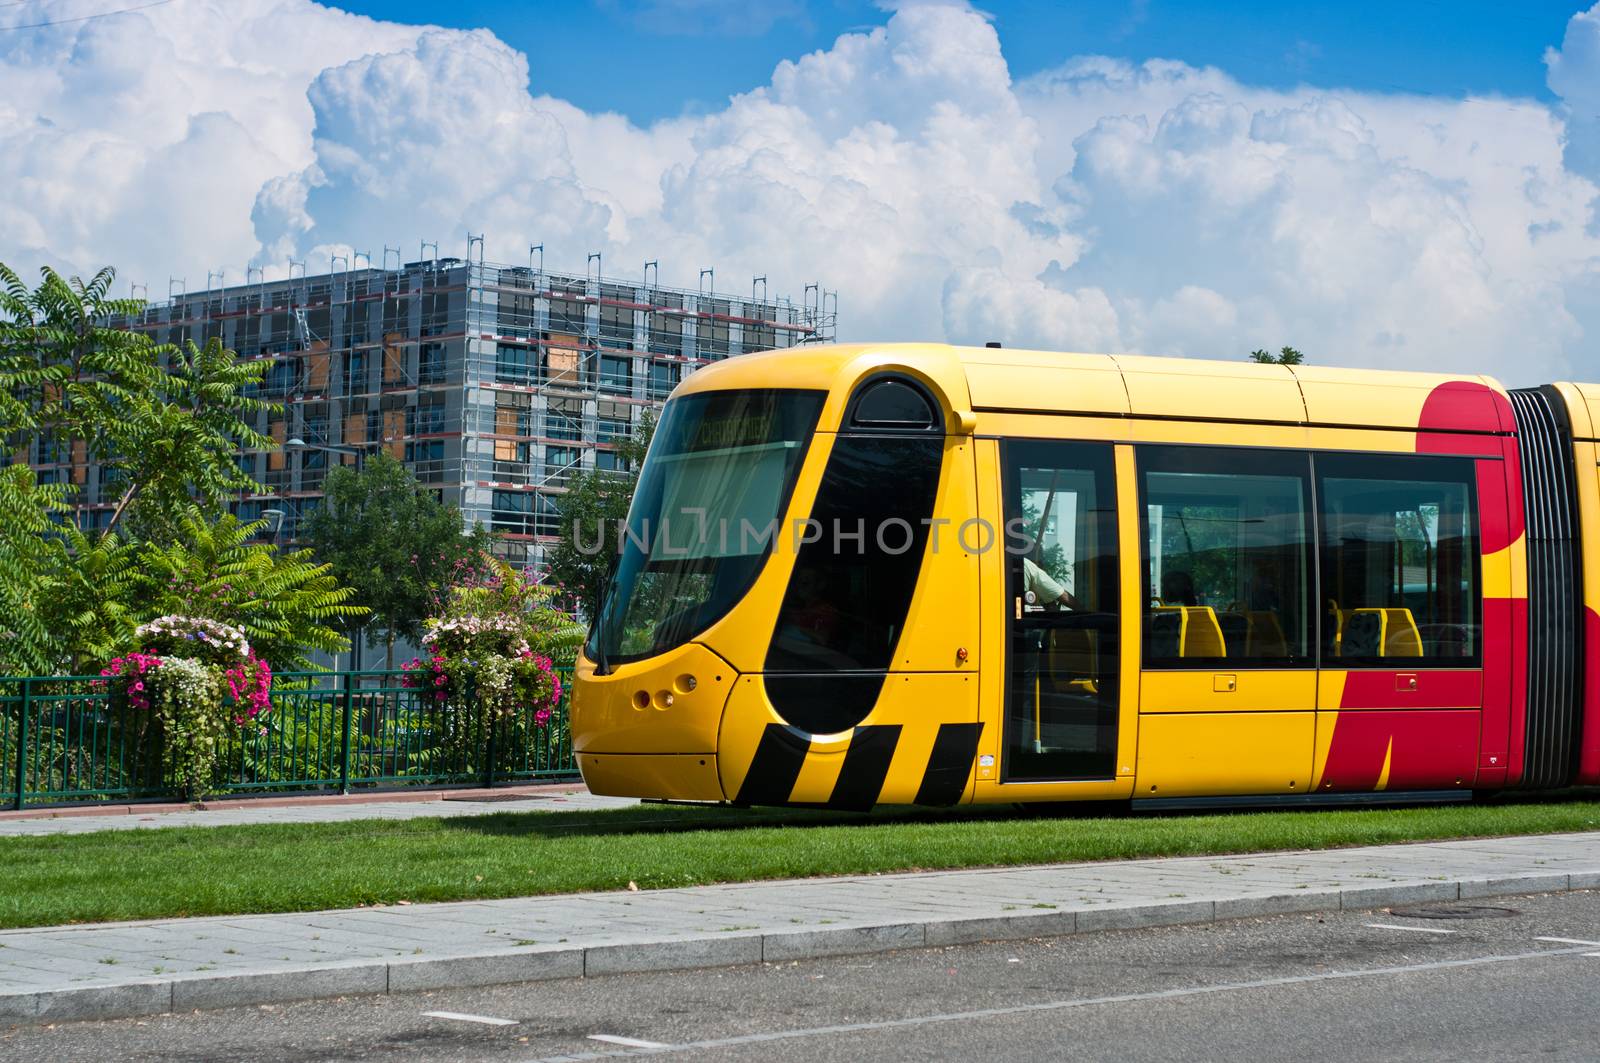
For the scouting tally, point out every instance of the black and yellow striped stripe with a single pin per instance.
(782, 752)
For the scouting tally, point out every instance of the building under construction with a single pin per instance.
(494, 384)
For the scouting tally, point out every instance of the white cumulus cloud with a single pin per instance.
(1101, 205)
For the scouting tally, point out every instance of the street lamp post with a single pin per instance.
(274, 517)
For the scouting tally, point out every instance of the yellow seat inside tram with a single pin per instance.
(1266, 637)
(1338, 616)
(1071, 652)
(1378, 632)
(1199, 631)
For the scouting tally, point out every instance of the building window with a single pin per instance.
(664, 331)
(515, 364)
(355, 373)
(546, 518)
(54, 451)
(711, 335)
(426, 418)
(435, 312)
(429, 450)
(616, 373)
(760, 337)
(510, 509)
(1399, 560)
(430, 363)
(560, 463)
(283, 377)
(663, 378)
(616, 326)
(567, 317)
(397, 315)
(563, 419)
(1227, 557)
(515, 314)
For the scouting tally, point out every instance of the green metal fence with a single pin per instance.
(62, 741)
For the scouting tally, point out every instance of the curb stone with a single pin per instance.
(413, 974)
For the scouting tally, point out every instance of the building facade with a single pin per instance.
(494, 384)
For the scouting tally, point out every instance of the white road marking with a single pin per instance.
(1415, 929)
(1593, 955)
(625, 1042)
(487, 1020)
(1568, 941)
(1080, 1002)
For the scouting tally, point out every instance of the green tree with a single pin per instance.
(166, 424)
(186, 441)
(1285, 356)
(69, 372)
(90, 597)
(286, 602)
(28, 512)
(163, 422)
(392, 540)
(590, 512)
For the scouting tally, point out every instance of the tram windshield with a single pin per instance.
(706, 510)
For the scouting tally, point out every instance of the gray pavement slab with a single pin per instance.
(244, 812)
(121, 969)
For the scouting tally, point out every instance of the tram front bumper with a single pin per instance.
(664, 776)
(649, 728)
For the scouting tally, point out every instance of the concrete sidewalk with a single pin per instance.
(331, 808)
(125, 969)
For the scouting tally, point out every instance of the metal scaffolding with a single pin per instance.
(493, 383)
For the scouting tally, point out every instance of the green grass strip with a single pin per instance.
(148, 874)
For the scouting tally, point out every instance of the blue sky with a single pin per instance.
(660, 58)
(1403, 184)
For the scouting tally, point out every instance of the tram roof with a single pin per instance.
(1029, 381)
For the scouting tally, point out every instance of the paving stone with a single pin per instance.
(532, 965)
(105, 1002)
(1504, 887)
(1309, 900)
(224, 990)
(1127, 917)
(727, 950)
(1011, 927)
(1385, 896)
(840, 941)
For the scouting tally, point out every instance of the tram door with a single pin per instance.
(1063, 618)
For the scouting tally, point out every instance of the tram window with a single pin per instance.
(1227, 557)
(893, 404)
(707, 508)
(1399, 560)
(848, 597)
(851, 588)
(1062, 602)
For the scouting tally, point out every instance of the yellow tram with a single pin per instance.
(928, 574)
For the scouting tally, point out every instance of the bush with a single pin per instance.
(174, 689)
(490, 652)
